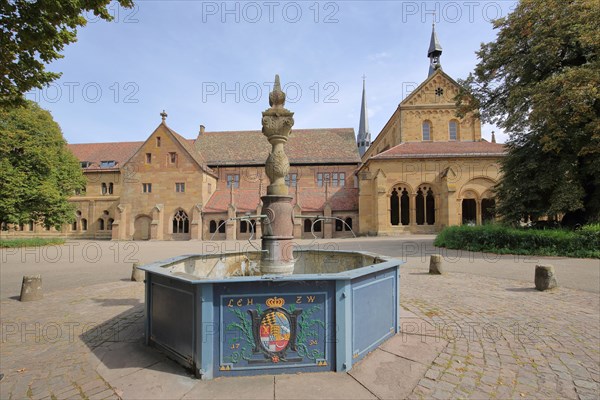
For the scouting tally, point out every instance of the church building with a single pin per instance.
(427, 169)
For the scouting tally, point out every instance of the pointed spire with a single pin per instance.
(364, 136)
(435, 51)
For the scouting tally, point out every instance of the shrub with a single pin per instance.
(501, 239)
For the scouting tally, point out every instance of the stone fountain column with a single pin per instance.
(278, 226)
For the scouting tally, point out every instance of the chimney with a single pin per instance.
(493, 137)
(201, 130)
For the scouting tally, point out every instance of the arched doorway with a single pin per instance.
(488, 213)
(399, 206)
(469, 212)
(142, 228)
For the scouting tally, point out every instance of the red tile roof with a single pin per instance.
(96, 152)
(305, 146)
(442, 150)
(310, 199)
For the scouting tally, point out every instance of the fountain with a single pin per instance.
(274, 310)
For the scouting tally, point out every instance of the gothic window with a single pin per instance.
(339, 225)
(212, 226)
(318, 226)
(452, 130)
(83, 224)
(111, 187)
(100, 224)
(74, 226)
(404, 208)
(469, 212)
(181, 222)
(426, 130)
(243, 226)
(104, 188)
(221, 226)
(109, 226)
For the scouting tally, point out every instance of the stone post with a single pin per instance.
(137, 275)
(545, 277)
(435, 265)
(31, 288)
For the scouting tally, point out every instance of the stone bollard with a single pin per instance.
(435, 265)
(31, 288)
(137, 275)
(545, 278)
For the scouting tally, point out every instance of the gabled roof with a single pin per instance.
(191, 150)
(97, 152)
(425, 82)
(305, 146)
(442, 150)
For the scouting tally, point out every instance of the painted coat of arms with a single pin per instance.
(276, 334)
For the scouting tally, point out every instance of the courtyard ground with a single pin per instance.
(479, 331)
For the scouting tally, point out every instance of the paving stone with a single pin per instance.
(323, 385)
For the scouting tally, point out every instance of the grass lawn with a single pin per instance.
(30, 242)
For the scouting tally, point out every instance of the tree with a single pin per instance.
(540, 82)
(37, 171)
(32, 34)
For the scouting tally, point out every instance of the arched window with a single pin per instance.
(395, 208)
(100, 224)
(212, 226)
(110, 188)
(348, 224)
(469, 211)
(318, 226)
(221, 226)
(104, 189)
(404, 208)
(243, 226)
(430, 207)
(307, 225)
(426, 130)
(74, 226)
(110, 224)
(420, 207)
(83, 224)
(181, 222)
(452, 130)
(339, 225)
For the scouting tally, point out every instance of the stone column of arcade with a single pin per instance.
(278, 225)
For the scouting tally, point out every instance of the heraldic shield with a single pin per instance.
(274, 330)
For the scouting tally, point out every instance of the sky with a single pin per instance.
(212, 63)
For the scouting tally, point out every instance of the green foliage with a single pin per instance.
(496, 238)
(32, 34)
(540, 82)
(37, 171)
(31, 242)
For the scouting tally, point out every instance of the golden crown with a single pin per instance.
(275, 302)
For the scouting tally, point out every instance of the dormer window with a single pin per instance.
(108, 164)
(85, 164)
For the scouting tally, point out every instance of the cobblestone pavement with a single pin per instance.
(494, 338)
(506, 339)
(46, 345)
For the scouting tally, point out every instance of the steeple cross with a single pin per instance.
(163, 115)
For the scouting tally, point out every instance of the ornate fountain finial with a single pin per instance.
(277, 96)
(277, 124)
